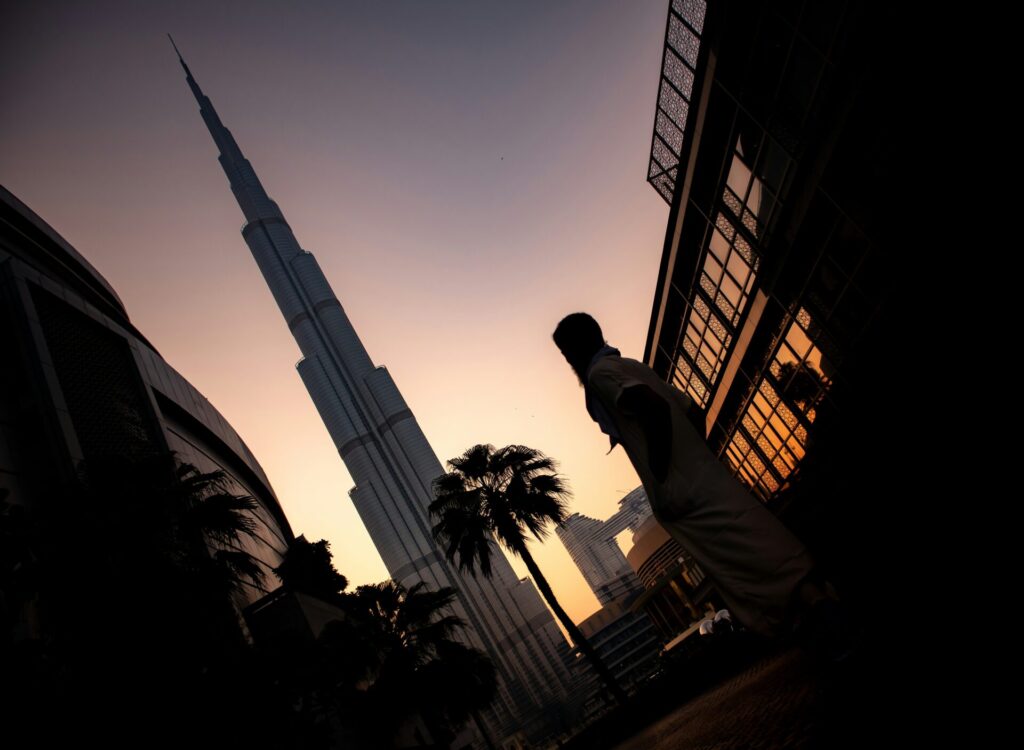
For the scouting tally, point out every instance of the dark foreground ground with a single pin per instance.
(779, 702)
(750, 697)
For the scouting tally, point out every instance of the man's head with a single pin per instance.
(579, 338)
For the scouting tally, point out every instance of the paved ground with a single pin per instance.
(784, 701)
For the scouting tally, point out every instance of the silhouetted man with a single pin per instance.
(761, 570)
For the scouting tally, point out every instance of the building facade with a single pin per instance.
(778, 303)
(592, 546)
(390, 460)
(676, 591)
(627, 642)
(80, 383)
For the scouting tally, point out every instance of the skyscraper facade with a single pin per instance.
(592, 546)
(390, 460)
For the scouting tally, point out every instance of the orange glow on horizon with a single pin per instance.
(460, 197)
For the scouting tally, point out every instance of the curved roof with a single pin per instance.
(26, 236)
(36, 243)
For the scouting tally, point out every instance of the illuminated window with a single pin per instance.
(768, 443)
(728, 268)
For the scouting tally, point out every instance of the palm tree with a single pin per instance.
(506, 494)
(390, 654)
(132, 570)
(801, 383)
(420, 667)
(210, 511)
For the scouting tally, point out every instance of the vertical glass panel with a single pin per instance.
(739, 176)
(755, 462)
(706, 353)
(744, 249)
(766, 446)
(734, 203)
(698, 390)
(738, 268)
(718, 328)
(734, 457)
(701, 307)
(774, 164)
(763, 405)
(731, 290)
(713, 268)
(725, 226)
(726, 306)
(709, 287)
(754, 199)
(705, 367)
(719, 245)
(774, 437)
(797, 339)
(786, 355)
(750, 222)
(748, 476)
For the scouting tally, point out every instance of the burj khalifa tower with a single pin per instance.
(389, 458)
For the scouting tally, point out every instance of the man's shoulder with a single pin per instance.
(614, 366)
(614, 361)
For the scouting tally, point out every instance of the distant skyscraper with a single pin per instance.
(389, 458)
(591, 545)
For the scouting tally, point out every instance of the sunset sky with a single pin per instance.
(466, 173)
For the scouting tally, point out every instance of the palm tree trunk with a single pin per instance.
(574, 632)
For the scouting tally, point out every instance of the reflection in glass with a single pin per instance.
(767, 445)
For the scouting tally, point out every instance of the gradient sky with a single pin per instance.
(466, 174)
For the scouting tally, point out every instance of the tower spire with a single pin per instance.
(180, 58)
(251, 197)
(189, 78)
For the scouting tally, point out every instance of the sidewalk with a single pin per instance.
(761, 699)
(777, 703)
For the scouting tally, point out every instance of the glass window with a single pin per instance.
(719, 245)
(708, 285)
(797, 339)
(725, 226)
(738, 268)
(785, 354)
(739, 176)
(718, 328)
(774, 164)
(732, 291)
(713, 268)
(725, 306)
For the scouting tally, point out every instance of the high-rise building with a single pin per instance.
(629, 645)
(676, 589)
(592, 546)
(390, 460)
